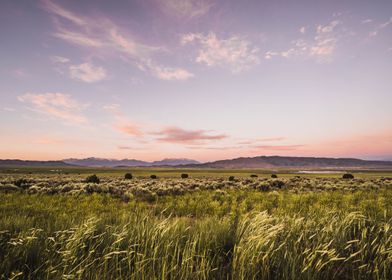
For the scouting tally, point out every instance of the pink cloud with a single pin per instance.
(234, 53)
(186, 9)
(100, 33)
(279, 148)
(20, 73)
(60, 11)
(132, 148)
(129, 128)
(78, 38)
(166, 73)
(179, 135)
(87, 72)
(222, 148)
(267, 139)
(57, 105)
(358, 145)
(122, 123)
(48, 141)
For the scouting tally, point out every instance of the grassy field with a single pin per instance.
(194, 172)
(313, 226)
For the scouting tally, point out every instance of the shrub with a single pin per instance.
(274, 176)
(231, 178)
(128, 176)
(9, 188)
(95, 188)
(277, 184)
(22, 183)
(348, 176)
(264, 187)
(253, 176)
(92, 179)
(153, 176)
(184, 176)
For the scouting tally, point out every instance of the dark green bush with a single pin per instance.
(253, 176)
(348, 176)
(128, 176)
(92, 179)
(264, 187)
(277, 184)
(184, 176)
(22, 183)
(231, 178)
(274, 176)
(153, 176)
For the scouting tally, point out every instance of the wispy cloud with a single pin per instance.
(122, 123)
(325, 41)
(130, 148)
(320, 47)
(8, 109)
(365, 21)
(78, 38)
(152, 132)
(166, 73)
(48, 141)
(59, 59)
(215, 148)
(258, 140)
(60, 11)
(279, 147)
(186, 9)
(103, 35)
(327, 28)
(380, 27)
(127, 45)
(270, 54)
(57, 105)
(129, 128)
(20, 73)
(179, 135)
(87, 72)
(234, 53)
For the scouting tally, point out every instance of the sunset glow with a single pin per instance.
(199, 79)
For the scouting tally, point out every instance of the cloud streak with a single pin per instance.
(59, 59)
(234, 53)
(165, 73)
(129, 128)
(179, 135)
(103, 35)
(57, 105)
(186, 9)
(279, 147)
(319, 47)
(380, 27)
(87, 72)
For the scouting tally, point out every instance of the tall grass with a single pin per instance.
(230, 235)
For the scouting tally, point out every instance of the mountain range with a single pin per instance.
(265, 162)
(102, 162)
(269, 162)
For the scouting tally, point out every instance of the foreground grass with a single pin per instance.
(233, 234)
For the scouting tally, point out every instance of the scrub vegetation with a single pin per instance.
(128, 227)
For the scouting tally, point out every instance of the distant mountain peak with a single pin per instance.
(103, 162)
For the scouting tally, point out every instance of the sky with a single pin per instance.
(199, 79)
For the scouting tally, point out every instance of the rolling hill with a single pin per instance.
(267, 162)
